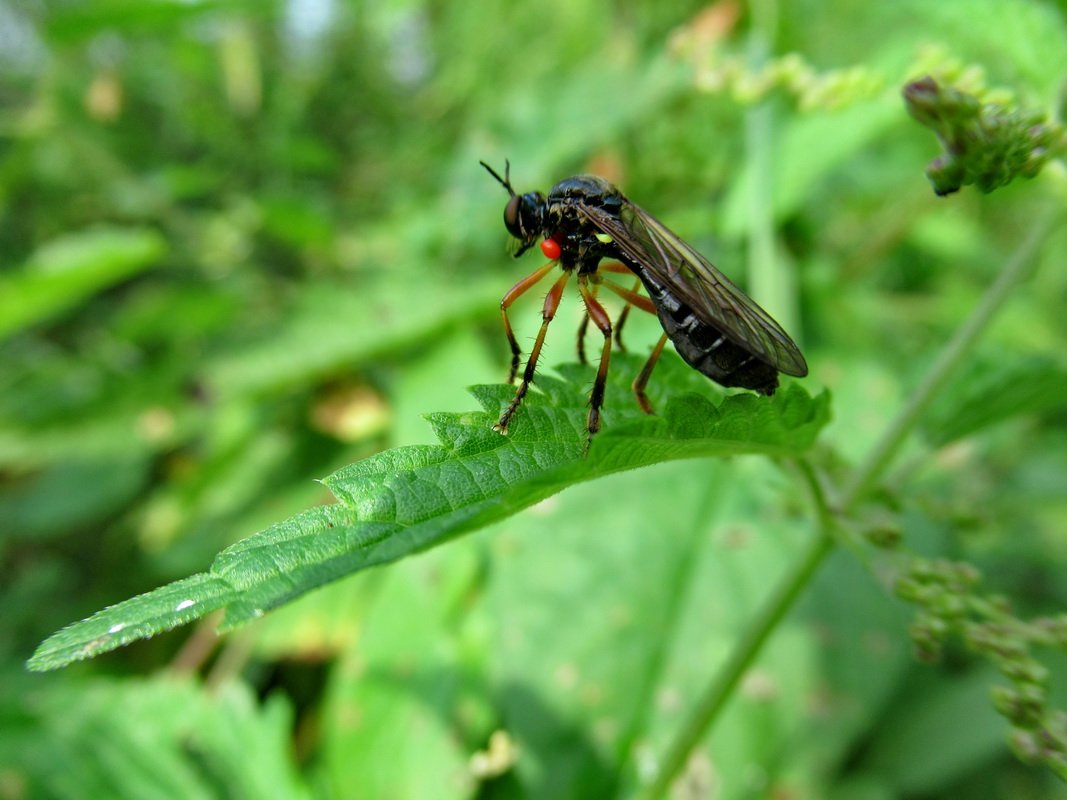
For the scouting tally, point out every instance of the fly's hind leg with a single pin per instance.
(641, 381)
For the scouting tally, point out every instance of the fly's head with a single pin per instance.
(524, 215)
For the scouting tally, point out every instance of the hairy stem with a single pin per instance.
(770, 276)
(1015, 271)
(781, 601)
(714, 698)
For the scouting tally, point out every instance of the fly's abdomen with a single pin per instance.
(704, 348)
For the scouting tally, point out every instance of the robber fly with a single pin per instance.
(714, 326)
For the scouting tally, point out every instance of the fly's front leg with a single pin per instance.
(551, 304)
(513, 294)
(601, 319)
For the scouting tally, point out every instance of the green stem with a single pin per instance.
(786, 593)
(770, 279)
(946, 364)
(721, 689)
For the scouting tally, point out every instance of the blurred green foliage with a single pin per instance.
(244, 243)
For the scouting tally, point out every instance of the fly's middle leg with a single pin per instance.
(601, 319)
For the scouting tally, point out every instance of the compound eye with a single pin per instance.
(511, 217)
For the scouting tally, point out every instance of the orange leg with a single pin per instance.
(583, 326)
(601, 319)
(621, 269)
(641, 381)
(631, 297)
(551, 304)
(514, 293)
(622, 318)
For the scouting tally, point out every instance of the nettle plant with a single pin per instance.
(408, 499)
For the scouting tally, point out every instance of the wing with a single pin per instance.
(713, 298)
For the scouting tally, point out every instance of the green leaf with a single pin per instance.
(69, 493)
(75, 23)
(136, 739)
(332, 325)
(72, 268)
(405, 500)
(620, 598)
(950, 717)
(389, 723)
(995, 393)
(809, 149)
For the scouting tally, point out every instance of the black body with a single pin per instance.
(714, 326)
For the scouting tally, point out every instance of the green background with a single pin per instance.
(243, 244)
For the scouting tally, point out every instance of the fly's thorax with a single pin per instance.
(567, 220)
(590, 189)
(581, 244)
